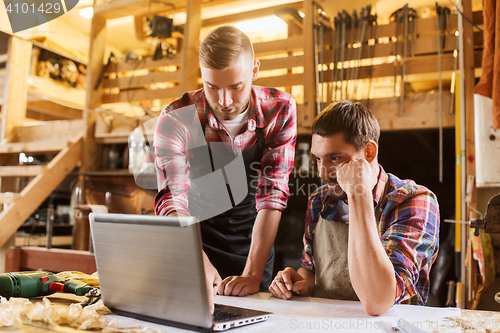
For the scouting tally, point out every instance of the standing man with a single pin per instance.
(369, 235)
(237, 122)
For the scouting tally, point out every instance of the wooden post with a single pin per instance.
(470, 153)
(190, 46)
(309, 110)
(16, 87)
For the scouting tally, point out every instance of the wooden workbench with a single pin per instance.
(300, 314)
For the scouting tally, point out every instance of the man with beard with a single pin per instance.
(235, 119)
(369, 235)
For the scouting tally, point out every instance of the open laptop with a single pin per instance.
(151, 267)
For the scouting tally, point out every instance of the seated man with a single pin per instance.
(369, 235)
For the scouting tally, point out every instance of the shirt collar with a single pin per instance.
(380, 187)
(255, 116)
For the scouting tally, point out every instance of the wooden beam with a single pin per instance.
(54, 90)
(190, 46)
(144, 63)
(54, 109)
(42, 146)
(116, 9)
(281, 81)
(282, 62)
(421, 112)
(469, 38)
(47, 130)
(142, 80)
(308, 113)
(8, 197)
(250, 14)
(279, 46)
(16, 87)
(52, 260)
(98, 34)
(21, 171)
(38, 190)
(143, 94)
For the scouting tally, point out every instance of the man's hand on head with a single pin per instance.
(357, 178)
(239, 285)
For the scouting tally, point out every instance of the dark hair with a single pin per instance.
(351, 118)
(223, 47)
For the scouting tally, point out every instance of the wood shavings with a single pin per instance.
(16, 311)
(478, 324)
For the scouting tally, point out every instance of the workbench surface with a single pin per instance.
(309, 314)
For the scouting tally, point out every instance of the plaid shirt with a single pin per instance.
(272, 110)
(411, 239)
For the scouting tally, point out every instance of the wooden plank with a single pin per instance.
(54, 109)
(21, 171)
(478, 18)
(248, 15)
(42, 146)
(282, 62)
(52, 260)
(143, 94)
(16, 89)
(144, 63)
(280, 81)
(46, 130)
(38, 190)
(56, 90)
(469, 40)
(137, 81)
(190, 46)
(117, 9)
(3, 58)
(278, 46)
(8, 197)
(420, 112)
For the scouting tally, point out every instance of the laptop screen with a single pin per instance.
(152, 266)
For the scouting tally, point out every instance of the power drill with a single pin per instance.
(32, 284)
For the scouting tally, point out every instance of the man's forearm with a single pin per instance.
(371, 271)
(263, 236)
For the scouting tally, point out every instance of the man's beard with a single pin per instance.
(334, 189)
(237, 110)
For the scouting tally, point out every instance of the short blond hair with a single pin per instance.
(223, 47)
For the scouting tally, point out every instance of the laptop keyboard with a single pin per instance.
(220, 315)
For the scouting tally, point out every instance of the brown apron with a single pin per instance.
(330, 248)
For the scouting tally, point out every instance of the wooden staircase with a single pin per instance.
(63, 138)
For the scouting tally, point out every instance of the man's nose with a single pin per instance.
(327, 171)
(225, 98)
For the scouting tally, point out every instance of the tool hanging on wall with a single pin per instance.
(335, 56)
(346, 21)
(354, 24)
(319, 22)
(404, 18)
(364, 20)
(373, 27)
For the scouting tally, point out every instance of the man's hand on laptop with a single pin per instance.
(213, 280)
(239, 285)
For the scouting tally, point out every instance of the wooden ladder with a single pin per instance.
(62, 137)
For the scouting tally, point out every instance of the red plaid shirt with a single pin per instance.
(272, 110)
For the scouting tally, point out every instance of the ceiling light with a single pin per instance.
(264, 23)
(87, 12)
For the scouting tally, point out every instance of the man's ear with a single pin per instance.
(371, 151)
(255, 69)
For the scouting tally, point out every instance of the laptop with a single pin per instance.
(151, 268)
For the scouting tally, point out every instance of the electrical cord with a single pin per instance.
(465, 17)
